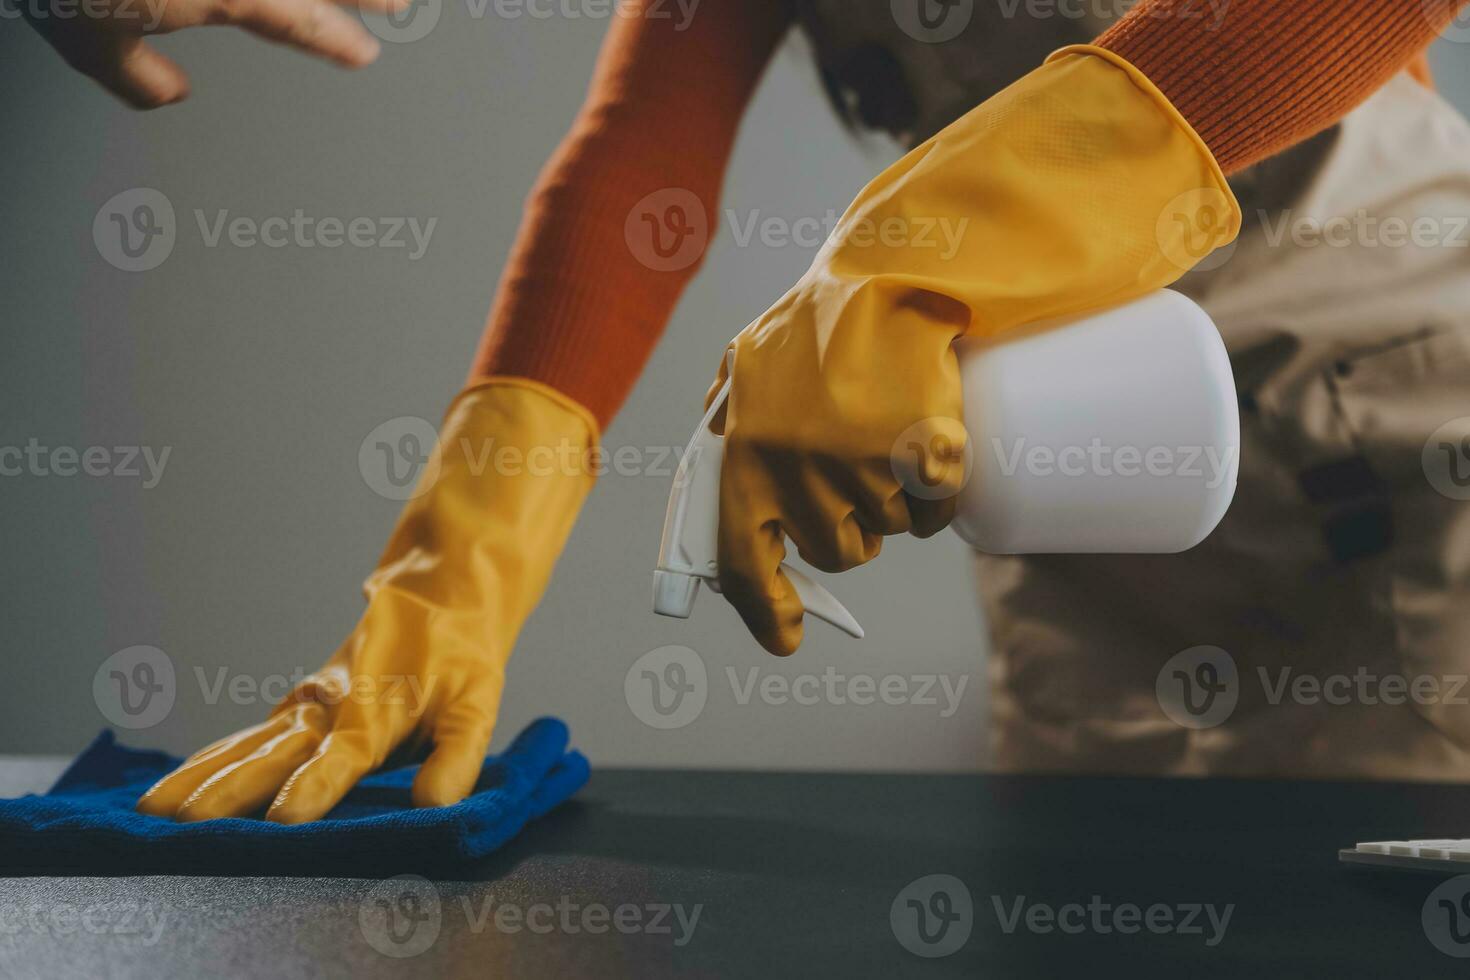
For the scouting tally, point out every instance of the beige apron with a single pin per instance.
(1333, 602)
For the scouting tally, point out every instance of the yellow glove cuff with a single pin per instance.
(546, 391)
(1151, 90)
(1077, 187)
(495, 504)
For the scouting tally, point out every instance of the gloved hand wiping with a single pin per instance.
(465, 566)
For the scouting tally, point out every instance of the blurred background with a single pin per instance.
(268, 376)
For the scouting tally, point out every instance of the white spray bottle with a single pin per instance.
(1117, 432)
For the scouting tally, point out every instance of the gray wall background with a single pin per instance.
(262, 370)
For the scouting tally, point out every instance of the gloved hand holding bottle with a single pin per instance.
(1077, 187)
(465, 566)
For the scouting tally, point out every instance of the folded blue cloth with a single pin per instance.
(86, 824)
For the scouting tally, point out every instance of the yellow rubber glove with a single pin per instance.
(1078, 187)
(465, 566)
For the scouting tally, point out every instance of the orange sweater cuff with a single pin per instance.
(1254, 77)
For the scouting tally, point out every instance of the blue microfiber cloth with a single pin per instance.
(86, 824)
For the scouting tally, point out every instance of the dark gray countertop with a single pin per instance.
(807, 875)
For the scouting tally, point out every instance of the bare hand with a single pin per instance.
(106, 39)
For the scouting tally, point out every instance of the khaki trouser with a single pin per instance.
(1334, 597)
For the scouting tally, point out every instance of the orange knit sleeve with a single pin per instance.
(620, 218)
(621, 215)
(1255, 76)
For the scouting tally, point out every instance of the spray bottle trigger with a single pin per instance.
(820, 603)
(687, 552)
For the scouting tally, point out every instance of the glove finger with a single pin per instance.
(932, 462)
(330, 686)
(929, 517)
(835, 545)
(309, 793)
(751, 579)
(821, 519)
(461, 736)
(371, 713)
(243, 787)
(885, 511)
(165, 797)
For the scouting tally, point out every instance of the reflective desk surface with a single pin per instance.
(705, 874)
